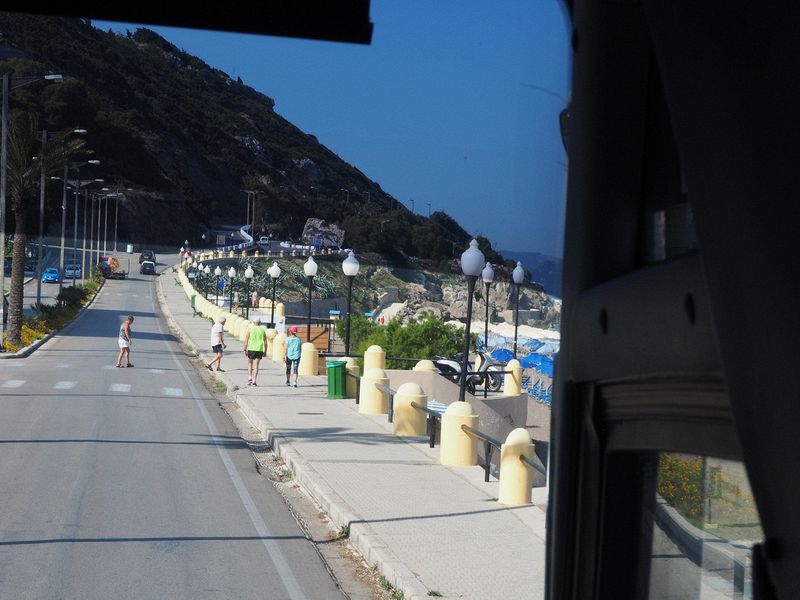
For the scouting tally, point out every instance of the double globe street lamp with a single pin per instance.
(518, 275)
(310, 269)
(472, 261)
(274, 272)
(350, 267)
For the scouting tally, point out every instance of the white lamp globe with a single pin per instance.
(248, 272)
(310, 267)
(274, 271)
(350, 265)
(217, 271)
(488, 273)
(194, 264)
(207, 270)
(231, 272)
(472, 260)
(518, 273)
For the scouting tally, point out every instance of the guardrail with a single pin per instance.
(434, 417)
(358, 383)
(489, 443)
(533, 465)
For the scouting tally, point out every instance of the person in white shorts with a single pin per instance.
(217, 344)
(124, 342)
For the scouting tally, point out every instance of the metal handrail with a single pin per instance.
(433, 416)
(387, 390)
(488, 443)
(358, 384)
(532, 464)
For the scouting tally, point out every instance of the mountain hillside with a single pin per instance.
(188, 138)
(544, 269)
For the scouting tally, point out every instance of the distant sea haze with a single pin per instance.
(544, 269)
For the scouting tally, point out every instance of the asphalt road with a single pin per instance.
(132, 483)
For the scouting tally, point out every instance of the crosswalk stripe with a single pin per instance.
(13, 383)
(65, 385)
(171, 391)
(119, 387)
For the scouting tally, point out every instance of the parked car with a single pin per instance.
(72, 270)
(147, 267)
(147, 255)
(51, 275)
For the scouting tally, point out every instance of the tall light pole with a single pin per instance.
(274, 272)
(77, 167)
(310, 269)
(350, 267)
(488, 276)
(77, 191)
(248, 276)
(217, 274)
(7, 87)
(471, 263)
(83, 249)
(207, 273)
(518, 274)
(231, 276)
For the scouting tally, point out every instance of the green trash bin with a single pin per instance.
(194, 308)
(336, 375)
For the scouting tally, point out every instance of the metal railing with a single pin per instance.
(358, 384)
(489, 443)
(532, 464)
(387, 390)
(433, 417)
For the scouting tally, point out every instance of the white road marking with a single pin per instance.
(63, 366)
(14, 383)
(65, 385)
(156, 371)
(119, 387)
(170, 391)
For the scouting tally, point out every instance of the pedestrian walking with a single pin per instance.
(124, 341)
(254, 343)
(217, 344)
(235, 300)
(254, 299)
(292, 355)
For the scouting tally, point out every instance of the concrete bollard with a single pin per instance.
(373, 401)
(512, 385)
(425, 366)
(262, 303)
(516, 478)
(309, 360)
(278, 348)
(279, 308)
(407, 419)
(271, 333)
(243, 329)
(458, 447)
(256, 253)
(374, 358)
(231, 254)
(350, 384)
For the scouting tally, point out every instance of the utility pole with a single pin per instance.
(429, 209)
(412, 206)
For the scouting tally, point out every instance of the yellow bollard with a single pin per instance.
(309, 360)
(407, 419)
(516, 478)
(279, 309)
(374, 358)
(262, 303)
(256, 253)
(372, 400)
(350, 384)
(512, 385)
(231, 254)
(458, 447)
(425, 365)
(245, 327)
(278, 348)
(244, 252)
(281, 254)
(271, 333)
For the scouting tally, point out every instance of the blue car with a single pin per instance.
(51, 275)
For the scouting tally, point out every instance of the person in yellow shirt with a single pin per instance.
(254, 344)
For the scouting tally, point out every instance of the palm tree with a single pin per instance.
(22, 171)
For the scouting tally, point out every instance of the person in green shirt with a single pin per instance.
(254, 344)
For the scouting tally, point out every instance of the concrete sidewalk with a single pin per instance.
(429, 529)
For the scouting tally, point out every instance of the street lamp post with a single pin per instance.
(350, 267)
(248, 276)
(274, 272)
(206, 279)
(471, 262)
(310, 269)
(488, 276)
(231, 276)
(518, 274)
(218, 274)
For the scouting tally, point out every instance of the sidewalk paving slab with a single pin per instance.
(428, 528)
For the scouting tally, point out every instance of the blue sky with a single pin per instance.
(442, 107)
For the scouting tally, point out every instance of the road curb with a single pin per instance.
(28, 350)
(361, 535)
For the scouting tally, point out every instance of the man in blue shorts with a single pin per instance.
(293, 345)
